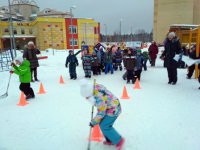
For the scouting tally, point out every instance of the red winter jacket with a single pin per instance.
(153, 51)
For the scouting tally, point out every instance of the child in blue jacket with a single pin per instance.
(139, 64)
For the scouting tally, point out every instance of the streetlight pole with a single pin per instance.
(12, 41)
(52, 37)
(73, 7)
(120, 24)
(86, 33)
(131, 33)
(106, 32)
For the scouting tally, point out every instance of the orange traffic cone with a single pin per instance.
(137, 85)
(41, 91)
(96, 134)
(125, 94)
(61, 80)
(22, 101)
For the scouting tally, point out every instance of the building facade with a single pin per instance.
(168, 12)
(53, 33)
(85, 31)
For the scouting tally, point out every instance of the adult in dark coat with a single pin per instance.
(31, 55)
(153, 51)
(172, 47)
(192, 54)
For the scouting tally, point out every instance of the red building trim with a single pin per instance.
(69, 35)
(99, 31)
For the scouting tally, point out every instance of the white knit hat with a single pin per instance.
(171, 34)
(86, 88)
(31, 43)
(19, 58)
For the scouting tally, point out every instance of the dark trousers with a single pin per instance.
(191, 70)
(172, 74)
(199, 77)
(26, 89)
(138, 74)
(153, 61)
(96, 70)
(145, 64)
(124, 75)
(118, 65)
(130, 76)
(34, 71)
(72, 71)
(102, 67)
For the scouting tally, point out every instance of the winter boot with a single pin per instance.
(173, 83)
(30, 96)
(120, 144)
(36, 79)
(133, 81)
(107, 143)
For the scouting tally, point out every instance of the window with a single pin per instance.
(34, 12)
(6, 30)
(95, 30)
(22, 31)
(15, 31)
(75, 42)
(30, 31)
(17, 10)
(73, 29)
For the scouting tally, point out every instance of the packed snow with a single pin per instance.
(157, 117)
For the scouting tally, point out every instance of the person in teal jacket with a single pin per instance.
(24, 73)
(108, 110)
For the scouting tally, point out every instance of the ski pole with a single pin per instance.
(6, 94)
(89, 142)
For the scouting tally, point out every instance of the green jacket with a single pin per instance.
(145, 55)
(24, 72)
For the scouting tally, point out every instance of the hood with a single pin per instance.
(86, 88)
(26, 63)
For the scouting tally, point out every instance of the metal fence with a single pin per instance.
(5, 59)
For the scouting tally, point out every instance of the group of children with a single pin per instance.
(107, 60)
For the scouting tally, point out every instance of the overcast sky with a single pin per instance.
(135, 13)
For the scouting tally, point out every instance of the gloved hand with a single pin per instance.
(11, 71)
(161, 57)
(13, 64)
(91, 125)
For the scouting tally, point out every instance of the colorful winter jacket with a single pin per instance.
(108, 58)
(139, 63)
(95, 60)
(130, 62)
(145, 55)
(24, 72)
(87, 62)
(106, 103)
(118, 56)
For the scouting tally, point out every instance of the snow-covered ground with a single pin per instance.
(157, 117)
